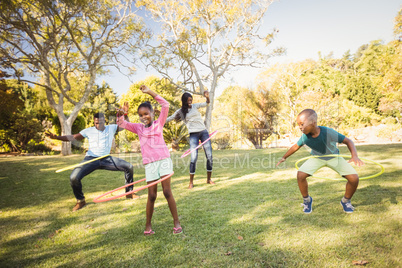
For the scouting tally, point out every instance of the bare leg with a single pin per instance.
(191, 185)
(152, 193)
(351, 185)
(209, 174)
(167, 192)
(302, 182)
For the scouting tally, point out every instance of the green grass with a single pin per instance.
(251, 218)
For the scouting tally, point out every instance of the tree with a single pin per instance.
(398, 26)
(290, 81)
(172, 132)
(391, 86)
(255, 111)
(62, 40)
(202, 40)
(102, 99)
(18, 115)
(260, 117)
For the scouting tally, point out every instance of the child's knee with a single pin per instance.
(167, 193)
(301, 176)
(353, 178)
(152, 196)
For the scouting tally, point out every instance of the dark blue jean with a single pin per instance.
(195, 137)
(109, 163)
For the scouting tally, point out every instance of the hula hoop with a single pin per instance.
(189, 151)
(99, 200)
(342, 155)
(80, 164)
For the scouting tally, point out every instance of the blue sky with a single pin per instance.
(307, 27)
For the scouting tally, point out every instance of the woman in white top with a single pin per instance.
(190, 115)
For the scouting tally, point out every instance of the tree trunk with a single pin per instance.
(66, 123)
(208, 114)
(66, 127)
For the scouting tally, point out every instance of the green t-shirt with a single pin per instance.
(325, 143)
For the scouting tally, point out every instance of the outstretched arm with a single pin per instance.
(173, 116)
(123, 111)
(351, 146)
(64, 138)
(291, 151)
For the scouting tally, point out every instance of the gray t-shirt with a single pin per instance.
(193, 121)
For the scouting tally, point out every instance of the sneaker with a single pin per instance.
(347, 207)
(308, 206)
(80, 204)
(132, 196)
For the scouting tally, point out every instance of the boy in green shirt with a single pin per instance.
(322, 141)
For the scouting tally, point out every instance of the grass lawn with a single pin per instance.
(251, 218)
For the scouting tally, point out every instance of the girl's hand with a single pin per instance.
(356, 161)
(206, 94)
(123, 110)
(144, 89)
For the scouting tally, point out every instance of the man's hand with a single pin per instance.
(50, 135)
(206, 94)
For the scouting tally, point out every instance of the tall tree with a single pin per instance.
(65, 39)
(291, 80)
(202, 40)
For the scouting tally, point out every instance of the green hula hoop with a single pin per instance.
(80, 164)
(342, 155)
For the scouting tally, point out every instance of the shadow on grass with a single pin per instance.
(259, 205)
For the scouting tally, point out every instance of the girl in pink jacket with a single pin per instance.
(155, 155)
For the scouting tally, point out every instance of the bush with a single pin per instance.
(222, 142)
(389, 132)
(389, 120)
(34, 147)
(78, 125)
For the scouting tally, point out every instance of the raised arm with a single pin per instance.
(291, 151)
(173, 116)
(164, 103)
(123, 111)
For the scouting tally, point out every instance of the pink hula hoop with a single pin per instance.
(189, 151)
(99, 200)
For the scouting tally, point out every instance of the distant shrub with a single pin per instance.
(34, 147)
(222, 142)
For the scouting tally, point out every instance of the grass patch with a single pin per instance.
(250, 218)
